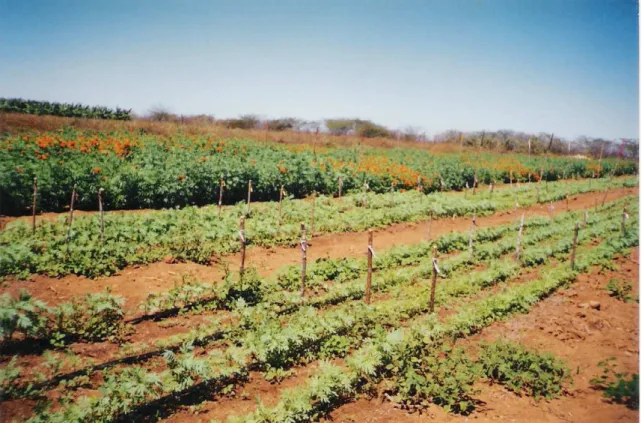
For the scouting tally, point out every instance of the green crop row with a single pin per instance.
(198, 234)
(147, 171)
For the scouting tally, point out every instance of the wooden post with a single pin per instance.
(280, 207)
(419, 187)
(585, 217)
(550, 209)
(519, 238)
(71, 213)
(314, 200)
(624, 217)
(511, 179)
(33, 206)
(429, 225)
(369, 278)
(304, 257)
(566, 197)
(596, 205)
(490, 190)
(466, 190)
(577, 229)
(472, 235)
(537, 188)
(340, 185)
(605, 194)
(221, 184)
(392, 191)
(433, 286)
(243, 244)
(249, 196)
(101, 215)
(475, 182)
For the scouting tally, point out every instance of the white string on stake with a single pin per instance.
(434, 263)
(372, 251)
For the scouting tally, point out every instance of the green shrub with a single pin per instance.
(523, 371)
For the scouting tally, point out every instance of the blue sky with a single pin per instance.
(563, 66)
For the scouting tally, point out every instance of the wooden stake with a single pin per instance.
(221, 184)
(340, 185)
(419, 186)
(537, 188)
(550, 209)
(243, 244)
(472, 235)
(605, 193)
(585, 217)
(475, 182)
(280, 207)
(624, 217)
(596, 205)
(429, 225)
(577, 229)
(566, 197)
(369, 278)
(314, 200)
(433, 286)
(249, 196)
(304, 257)
(519, 238)
(71, 213)
(101, 214)
(33, 206)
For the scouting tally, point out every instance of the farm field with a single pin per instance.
(154, 321)
(170, 305)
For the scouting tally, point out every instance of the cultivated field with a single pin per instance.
(346, 284)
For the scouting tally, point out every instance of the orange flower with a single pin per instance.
(282, 169)
(96, 170)
(181, 177)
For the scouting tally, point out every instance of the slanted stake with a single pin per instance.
(71, 214)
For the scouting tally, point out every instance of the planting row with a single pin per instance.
(195, 234)
(147, 171)
(270, 344)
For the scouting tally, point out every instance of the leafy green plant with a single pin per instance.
(620, 289)
(96, 317)
(617, 386)
(524, 371)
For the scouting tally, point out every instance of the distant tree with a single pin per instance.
(368, 129)
(161, 113)
(282, 124)
(243, 122)
(340, 126)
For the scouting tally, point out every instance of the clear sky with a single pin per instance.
(563, 66)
